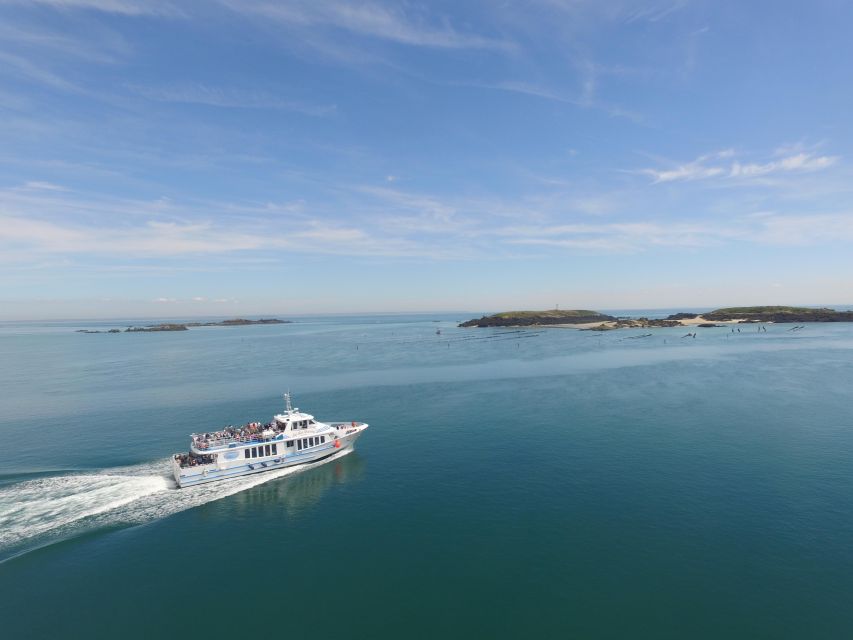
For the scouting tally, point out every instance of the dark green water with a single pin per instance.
(510, 485)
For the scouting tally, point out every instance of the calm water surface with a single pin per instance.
(551, 483)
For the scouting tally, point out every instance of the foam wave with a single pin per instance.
(42, 511)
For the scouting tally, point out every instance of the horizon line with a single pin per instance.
(280, 316)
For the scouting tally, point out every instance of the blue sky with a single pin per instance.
(228, 157)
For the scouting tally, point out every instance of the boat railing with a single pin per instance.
(345, 425)
(203, 444)
(216, 443)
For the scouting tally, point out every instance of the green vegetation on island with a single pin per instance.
(778, 314)
(531, 318)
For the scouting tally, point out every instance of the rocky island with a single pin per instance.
(237, 322)
(777, 315)
(171, 326)
(596, 321)
(538, 318)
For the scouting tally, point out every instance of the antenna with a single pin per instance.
(287, 401)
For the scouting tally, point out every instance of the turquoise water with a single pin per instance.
(551, 483)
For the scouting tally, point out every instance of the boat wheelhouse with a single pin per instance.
(291, 438)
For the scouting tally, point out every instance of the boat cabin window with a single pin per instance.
(247, 452)
(322, 439)
(275, 449)
(290, 443)
(254, 452)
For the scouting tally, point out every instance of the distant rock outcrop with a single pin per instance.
(237, 322)
(171, 326)
(97, 331)
(157, 327)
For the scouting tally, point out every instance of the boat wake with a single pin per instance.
(36, 513)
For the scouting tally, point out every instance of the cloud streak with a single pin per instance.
(36, 226)
(709, 166)
(390, 23)
(121, 7)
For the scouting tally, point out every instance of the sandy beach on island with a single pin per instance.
(701, 320)
(613, 324)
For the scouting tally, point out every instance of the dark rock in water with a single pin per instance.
(96, 331)
(668, 322)
(708, 325)
(602, 327)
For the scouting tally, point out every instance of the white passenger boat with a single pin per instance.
(291, 438)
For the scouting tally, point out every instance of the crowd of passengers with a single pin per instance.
(192, 460)
(249, 432)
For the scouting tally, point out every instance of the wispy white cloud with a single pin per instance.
(123, 7)
(621, 237)
(586, 98)
(637, 237)
(709, 166)
(804, 230)
(155, 239)
(26, 69)
(798, 162)
(42, 223)
(35, 220)
(391, 23)
(654, 11)
(38, 185)
(99, 46)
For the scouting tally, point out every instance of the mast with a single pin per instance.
(287, 404)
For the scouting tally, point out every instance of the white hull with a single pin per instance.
(225, 469)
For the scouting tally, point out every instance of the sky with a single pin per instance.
(165, 158)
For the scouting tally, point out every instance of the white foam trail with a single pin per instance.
(37, 512)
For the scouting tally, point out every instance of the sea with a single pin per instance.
(513, 483)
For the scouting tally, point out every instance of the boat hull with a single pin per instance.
(188, 477)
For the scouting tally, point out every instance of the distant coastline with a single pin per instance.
(172, 326)
(596, 321)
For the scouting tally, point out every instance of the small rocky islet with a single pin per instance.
(185, 326)
(596, 321)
